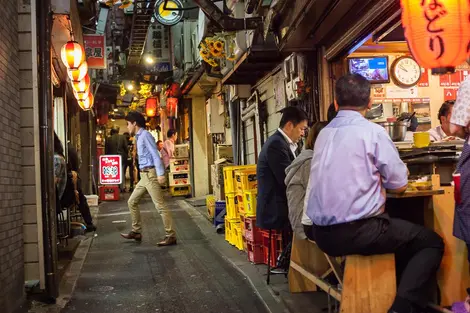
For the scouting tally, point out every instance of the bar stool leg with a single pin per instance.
(269, 258)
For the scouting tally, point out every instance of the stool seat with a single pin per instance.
(369, 284)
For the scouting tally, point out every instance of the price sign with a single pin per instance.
(110, 169)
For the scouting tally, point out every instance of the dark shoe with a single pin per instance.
(90, 228)
(132, 235)
(168, 241)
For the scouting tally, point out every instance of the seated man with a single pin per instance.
(354, 163)
(442, 132)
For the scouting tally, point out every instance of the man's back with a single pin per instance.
(116, 144)
(354, 161)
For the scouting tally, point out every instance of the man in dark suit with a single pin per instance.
(276, 155)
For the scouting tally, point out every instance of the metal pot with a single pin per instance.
(396, 130)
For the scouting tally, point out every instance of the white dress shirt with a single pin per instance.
(292, 145)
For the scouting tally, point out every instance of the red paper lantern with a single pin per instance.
(79, 73)
(82, 85)
(151, 106)
(437, 32)
(72, 54)
(87, 104)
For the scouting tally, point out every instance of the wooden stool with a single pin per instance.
(369, 284)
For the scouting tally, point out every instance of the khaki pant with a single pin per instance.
(149, 183)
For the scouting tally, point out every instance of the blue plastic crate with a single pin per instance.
(220, 212)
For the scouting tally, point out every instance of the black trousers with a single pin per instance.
(418, 250)
(83, 205)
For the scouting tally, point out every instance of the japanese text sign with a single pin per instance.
(95, 50)
(450, 93)
(110, 169)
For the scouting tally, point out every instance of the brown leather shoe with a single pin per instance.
(168, 241)
(132, 235)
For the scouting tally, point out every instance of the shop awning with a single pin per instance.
(307, 24)
(253, 65)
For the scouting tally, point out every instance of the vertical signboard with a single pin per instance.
(110, 169)
(95, 50)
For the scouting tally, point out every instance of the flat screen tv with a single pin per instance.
(374, 69)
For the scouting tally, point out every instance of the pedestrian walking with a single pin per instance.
(152, 178)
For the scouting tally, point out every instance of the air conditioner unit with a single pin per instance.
(239, 92)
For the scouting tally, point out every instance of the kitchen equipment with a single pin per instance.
(421, 139)
(396, 130)
(376, 111)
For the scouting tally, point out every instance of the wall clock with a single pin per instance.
(405, 71)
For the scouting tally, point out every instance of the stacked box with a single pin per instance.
(217, 178)
(180, 175)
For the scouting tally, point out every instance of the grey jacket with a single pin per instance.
(297, 175)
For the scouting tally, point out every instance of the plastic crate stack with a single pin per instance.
(180, 175)
(237, 179)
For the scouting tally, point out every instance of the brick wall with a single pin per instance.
(11, 193)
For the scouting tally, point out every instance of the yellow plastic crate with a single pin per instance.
(245, 179)
(210, 200)
(240, 206)
(249, 202)
(229, 175)
(228, 231)
(235, 229)
(231, 206)
(178, 191)
(237, 236)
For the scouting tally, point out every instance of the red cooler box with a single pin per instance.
(109, 192)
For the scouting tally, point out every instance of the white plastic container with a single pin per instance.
(92, 200)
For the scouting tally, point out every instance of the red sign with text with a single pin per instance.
(110, 169)
(424, 80)
(450, 94)
(95, 50)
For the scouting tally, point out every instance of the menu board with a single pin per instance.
(453, 80)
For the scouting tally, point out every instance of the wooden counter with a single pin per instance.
(413, 194)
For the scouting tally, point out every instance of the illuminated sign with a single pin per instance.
(166, 15)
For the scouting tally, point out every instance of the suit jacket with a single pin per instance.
(274, 158)
(117, 144)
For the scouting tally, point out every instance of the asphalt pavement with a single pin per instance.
(126, 276)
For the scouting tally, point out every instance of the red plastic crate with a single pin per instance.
(255, 253)
(109, 192)
(252, 233)
(276, 246)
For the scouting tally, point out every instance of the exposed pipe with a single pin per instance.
(46, 145)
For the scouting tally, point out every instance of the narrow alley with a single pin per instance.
(126, 276)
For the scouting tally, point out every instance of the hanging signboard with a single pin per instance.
(95, 50)
(166, 12)
(110, 169)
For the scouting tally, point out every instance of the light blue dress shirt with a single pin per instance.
(353, 164)
(147, 152)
